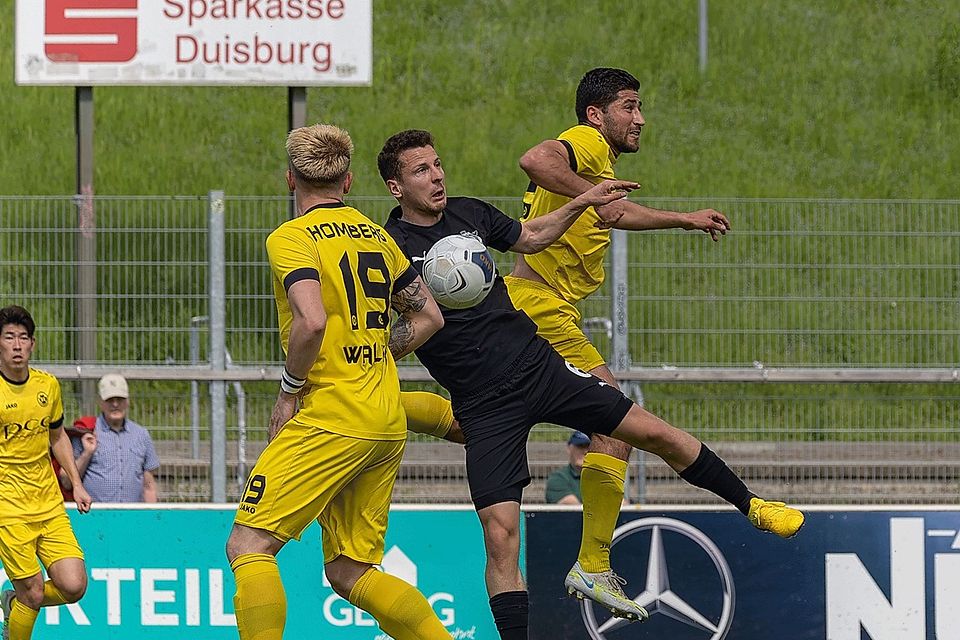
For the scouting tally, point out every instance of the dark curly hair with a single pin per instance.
(388, 160)
(599, 87)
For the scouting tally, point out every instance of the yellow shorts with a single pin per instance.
(557, 320)
(50, 540)
(344, 483)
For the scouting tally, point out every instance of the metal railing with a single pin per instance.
(817, 346)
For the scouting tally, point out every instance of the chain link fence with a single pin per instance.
(816, 347)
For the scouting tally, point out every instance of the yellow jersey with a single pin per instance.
(352, 389)
(573, 265)
(29, 491)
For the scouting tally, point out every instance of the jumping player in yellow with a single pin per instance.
(548, 284)
(33, 521)
(336, 276)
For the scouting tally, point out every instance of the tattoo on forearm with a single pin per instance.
(410, 298)
(401, 336)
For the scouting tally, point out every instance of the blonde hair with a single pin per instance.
(319, 155)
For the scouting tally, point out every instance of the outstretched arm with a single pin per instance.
(539, 233)
(637, 217)
(548, 165)
(419, 318)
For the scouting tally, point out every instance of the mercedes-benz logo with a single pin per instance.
(658, 597)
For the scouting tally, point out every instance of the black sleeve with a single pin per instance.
(405, 278)
(303, 273)
(502, 230)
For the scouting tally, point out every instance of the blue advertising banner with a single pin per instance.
(848, 575)
(159, 574)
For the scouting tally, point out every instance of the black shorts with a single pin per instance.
(540, 386)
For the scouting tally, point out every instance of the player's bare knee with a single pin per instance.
(502, 542)
(501, 537)
(609, 446)
(343, 574)
(72, 596)
(245, 540)
(340, 588)
(72, 587)
(339, 582)
(233, 548)
(30, 595)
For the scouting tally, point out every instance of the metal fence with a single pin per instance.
(817, 346)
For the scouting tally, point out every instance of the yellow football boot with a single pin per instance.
(775, 517)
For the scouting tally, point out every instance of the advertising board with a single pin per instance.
(194, 42)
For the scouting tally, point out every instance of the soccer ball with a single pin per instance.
(459, 271)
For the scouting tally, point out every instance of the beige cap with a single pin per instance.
(113, 385)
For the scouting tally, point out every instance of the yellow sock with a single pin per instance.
(601, 485)
(21, 621)
(401, 610)
(427, 413)
(52, 595)
(260, 603)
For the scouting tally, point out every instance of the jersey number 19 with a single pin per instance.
(367, 261)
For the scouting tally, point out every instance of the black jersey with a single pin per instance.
(475, 345)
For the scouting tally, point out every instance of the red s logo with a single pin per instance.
(91, 30)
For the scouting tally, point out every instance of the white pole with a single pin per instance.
(703, 36)
(218, 350)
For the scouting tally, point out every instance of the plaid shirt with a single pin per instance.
(115, 473)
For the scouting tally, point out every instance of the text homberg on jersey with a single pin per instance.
(339, 229)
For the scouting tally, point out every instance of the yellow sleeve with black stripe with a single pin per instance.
(291, 259)
(352, 388)
(592, 157)
(573, 265)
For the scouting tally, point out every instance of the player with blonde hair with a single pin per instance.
(336, 276)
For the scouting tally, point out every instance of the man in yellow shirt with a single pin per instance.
(33, 521)
(336, 277)
(548, 284)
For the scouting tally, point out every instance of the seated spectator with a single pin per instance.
(119, 465)
(82, 430)
(563, 485)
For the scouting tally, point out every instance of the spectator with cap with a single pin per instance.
(119, 465)
(563, 485)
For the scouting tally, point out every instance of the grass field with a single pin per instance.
(851, 99)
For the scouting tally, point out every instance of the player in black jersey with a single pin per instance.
(503, 378)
